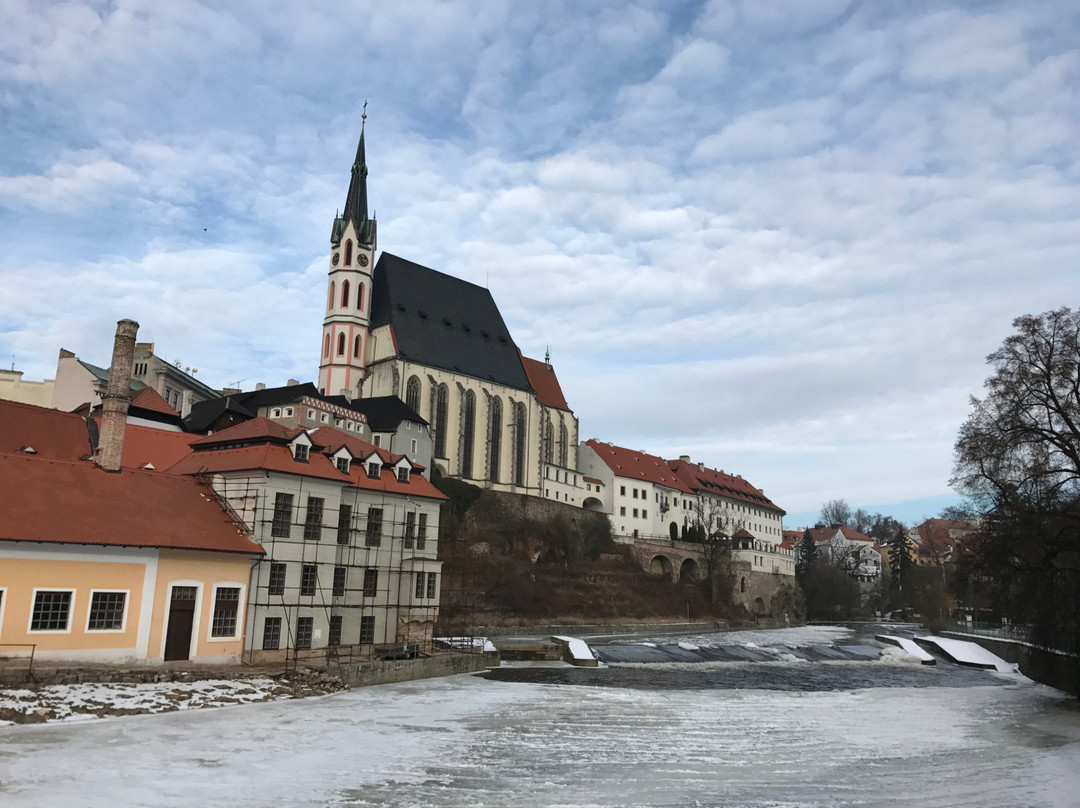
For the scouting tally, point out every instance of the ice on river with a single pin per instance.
(471, 741)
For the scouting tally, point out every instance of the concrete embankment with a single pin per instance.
(1054, 668)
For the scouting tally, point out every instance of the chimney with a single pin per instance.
(684, 459)
(291, 383)
(260, 386)
(117, 398)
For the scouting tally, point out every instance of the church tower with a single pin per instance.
(348, 297)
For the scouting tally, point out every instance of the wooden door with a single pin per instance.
(181, 619)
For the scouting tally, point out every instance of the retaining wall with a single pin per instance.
(1054, 668)
(381, 672)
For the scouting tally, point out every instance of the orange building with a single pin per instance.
(129, 566)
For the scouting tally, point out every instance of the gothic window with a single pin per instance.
(356, 347)
(439, 410)
(520, 441)
(360, 296)
(412, 394)
(563, 445)
(549, 442)
(341, 345)
(344, 294)
(348, 253)
(468, 433)
(326, 345)
(494, 438)
(330, 300)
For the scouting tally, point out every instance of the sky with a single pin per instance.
(779, 237)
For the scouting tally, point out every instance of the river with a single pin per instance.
(816, 716)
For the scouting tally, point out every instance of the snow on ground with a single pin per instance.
(90, 700)
(798, 637)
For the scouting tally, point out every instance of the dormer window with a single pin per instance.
(343, 465)
(373, 470)
(301, 452)
(403, 474)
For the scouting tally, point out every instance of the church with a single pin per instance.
(395, 328)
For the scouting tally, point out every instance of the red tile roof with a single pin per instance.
(940, 537)
(544, 382)
(418, 485)
(703, 479)
(160, 447)
(148, 399)
(823, 535)
(637, 465)
(51, 433)
(249, 431)
(267, 456)
(75, 502)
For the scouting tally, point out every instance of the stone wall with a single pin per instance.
(381, 672)
(519, 506)
(766, 594)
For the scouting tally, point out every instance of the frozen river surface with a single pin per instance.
(788, 732)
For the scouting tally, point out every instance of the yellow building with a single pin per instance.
(131, 566)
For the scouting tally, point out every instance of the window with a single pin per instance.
(373, 470)
(277, 579)
(431, 584)
(410, 529)
(495, 427)
(309, 579)
(360, 296)
(330, 300)
(301, 452)
(413, 445)
(339, 582)
(348, 252)
(412, 394)
(311, 415)
(403, 474)
(371, 583)
(373, 537)
(52, 608)
(344, 294)
(288, 412)
(276, 412)
(635, 513)
(226, 609)
(622, 511)
(367, 630)
(341, 345)
(635, 493)
(326, 346)
(335, 630)
(106, 611)
(425, 584)
(343, 465)
(439, 413)
(324, 418)
(468, 433)
(313, 520)
(421, 532)
(377, 440)
(622, 490)
(271, 634)
(420, 584)
(304, 629)
(344, 519)
(356, 347)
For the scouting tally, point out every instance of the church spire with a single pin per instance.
(356, 203)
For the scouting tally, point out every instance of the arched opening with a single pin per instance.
(344, 294)
(549, 442)
(360, 297)
(326, 346)
(564, 444)
(742, 584)
(495, 417)
(660, 565)
(439, 412)
(356, 347)
(330, 300)
(673, 531)
(689, 570)
(592, 504)
(468, 433)
(341, 345)
(348, 253)
(759, 605)
(412, 394)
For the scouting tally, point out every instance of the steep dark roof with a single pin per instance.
(444, 322)
(272, 396)
(204, 413)
(384, 413)
(356, 209)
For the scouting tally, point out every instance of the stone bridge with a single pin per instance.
(675, 560)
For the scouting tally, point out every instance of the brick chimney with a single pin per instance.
(117, 399)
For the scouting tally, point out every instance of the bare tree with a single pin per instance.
(1018, 459)
(836, 512)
